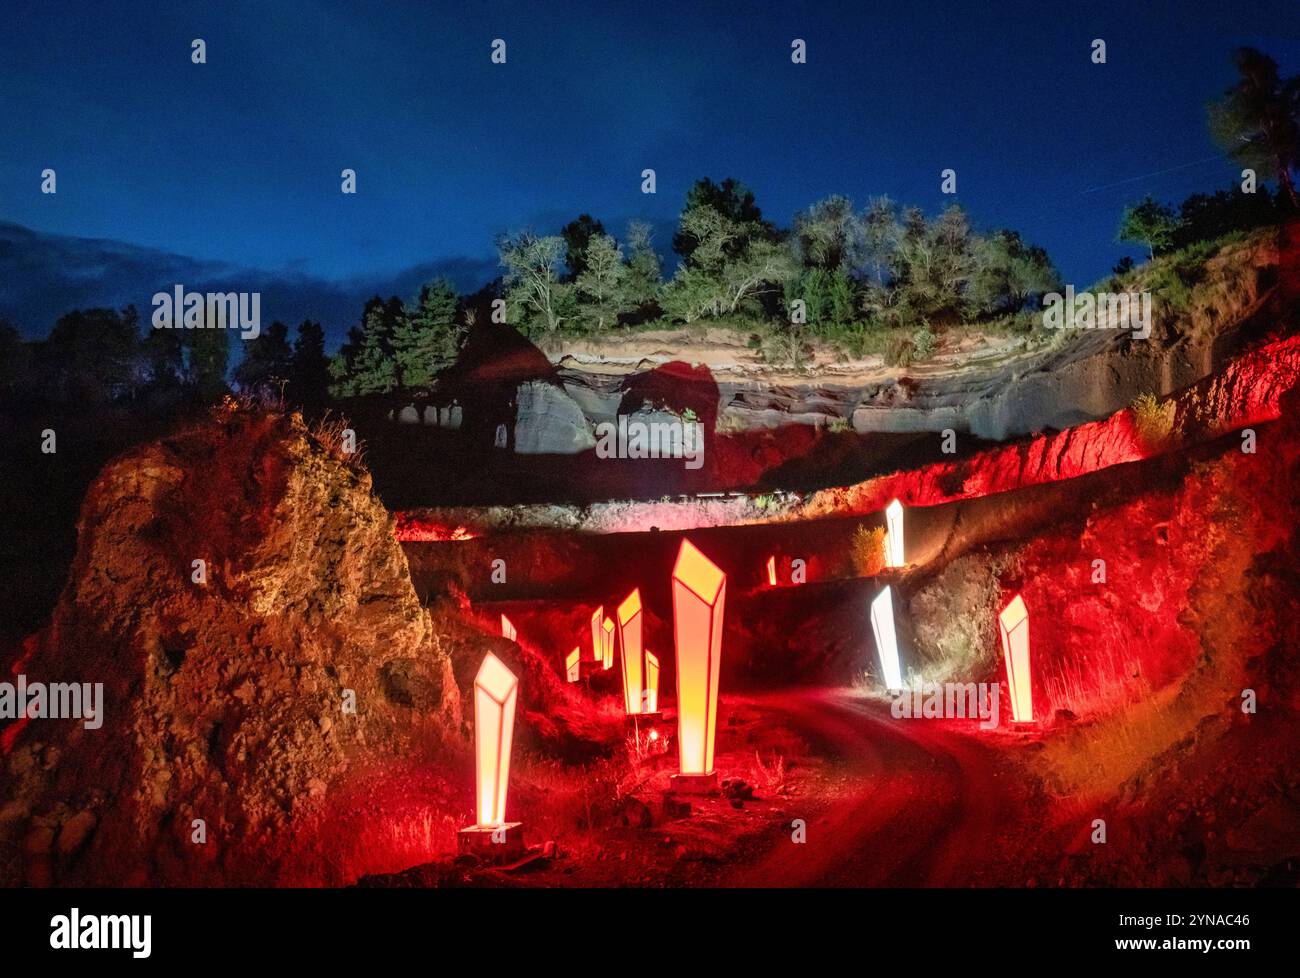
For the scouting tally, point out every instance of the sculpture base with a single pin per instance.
(694, 784)
(651, 718)
(502, 843)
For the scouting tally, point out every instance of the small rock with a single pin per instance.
(75, 832)
(676, 808)
(39, 841)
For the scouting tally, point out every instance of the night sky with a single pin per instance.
(237, 161)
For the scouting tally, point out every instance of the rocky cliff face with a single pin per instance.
(239, 692)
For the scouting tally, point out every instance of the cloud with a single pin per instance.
(44, 276)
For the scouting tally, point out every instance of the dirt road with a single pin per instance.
(918, 802)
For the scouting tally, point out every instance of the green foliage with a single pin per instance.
(643, 279)
(577, 236)
(923, 342)
(1150, 223)
(91, 355)
(829, 297)
(830, 235)
(601, 291)
(1257, 122)
(366, 363)
(1008, 274)
(537, 301)
(309, 370)
(15, 359)
(428, 339)
(901, 352)
(207, 359)
(1211, 217)
(783, 345)
(734, 202)
(267, 360)
(732, 266)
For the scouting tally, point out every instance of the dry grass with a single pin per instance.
(1153, 420)
(769, 777)
(336, 435)
(867, 552)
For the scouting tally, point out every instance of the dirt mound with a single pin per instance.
(227, 685)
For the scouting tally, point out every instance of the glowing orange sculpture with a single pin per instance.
(651, 682)
(699, 598)
(572, 669)
(607, 643)
(894, 534)
(597, 619)
(495, 691)
(508, 628)
(630, 622)
(882, 624)
(771, 571)
(1013, 624)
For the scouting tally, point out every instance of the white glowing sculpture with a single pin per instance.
(882, 624)
(651, 682)
(597, 620)
(630, 624)
(508, 629)
(495, 691)
(699, 599)
(573, 666)
(607, 643)
(894, 534)
(1013, 624)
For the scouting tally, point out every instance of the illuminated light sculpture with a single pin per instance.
(597, 620)
(882, 624)
(699, 599)
(573, 666)
(894, 534)
(508, 628)
(1013, 624)
(651, 683)
(496, 691)
(607, 643)
(771, 571)
(630, 626)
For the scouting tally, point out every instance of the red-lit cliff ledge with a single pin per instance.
(1247, 392)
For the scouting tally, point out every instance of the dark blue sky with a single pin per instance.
(238, 160)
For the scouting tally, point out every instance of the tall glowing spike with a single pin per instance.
(1013, 624)
(630, 626)
(495, 691)
(597, 620)
(882, 624)
(894, 535)
(771, 571)
(699, 599)
(508, 628)
(572, 666)
(651, 682)
(607, 643)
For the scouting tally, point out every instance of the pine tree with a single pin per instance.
(429, 337)
(266, 362)
(309, 375)
(643, 274)
(600, 284)
(366, 364)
